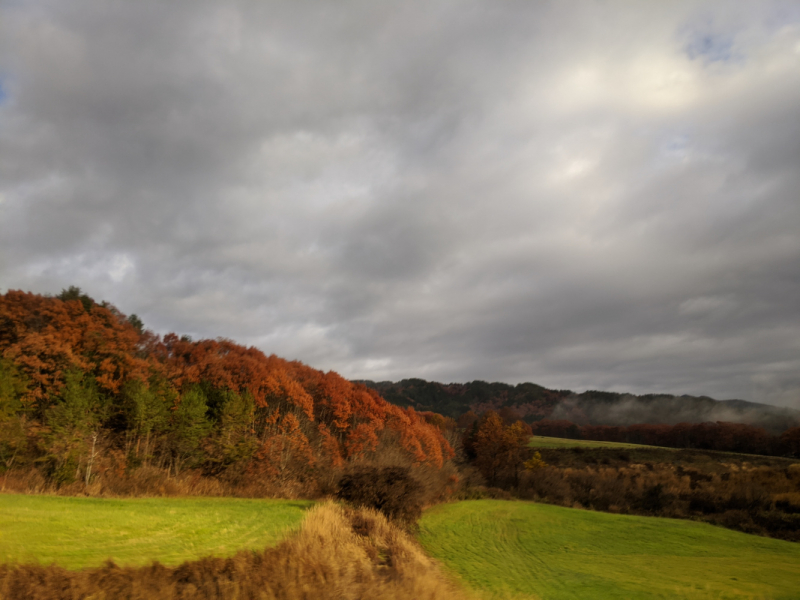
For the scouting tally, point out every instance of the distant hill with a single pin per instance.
(533, 402)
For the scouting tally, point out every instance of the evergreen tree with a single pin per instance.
(75, 293)
(146, 414)
(13, 438)
(189, 426)
(75, 417)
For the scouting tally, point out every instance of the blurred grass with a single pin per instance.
(523, 550)
(539, 441)
(82, 532)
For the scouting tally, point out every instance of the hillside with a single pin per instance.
(89, 396)
(532, 402)
(530, 550)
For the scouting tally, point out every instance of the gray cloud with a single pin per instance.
(578, 194)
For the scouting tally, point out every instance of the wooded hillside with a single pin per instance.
(531, 402)
(86, 391)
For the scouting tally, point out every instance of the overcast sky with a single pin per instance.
(586, 195)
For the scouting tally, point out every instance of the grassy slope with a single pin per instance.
(81, 532)
(550, 552)
(539, 441)
(338, 554)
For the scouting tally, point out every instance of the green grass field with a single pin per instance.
(539, 441)
(527, 550)
(82, 532)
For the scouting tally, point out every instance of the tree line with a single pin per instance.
(720, 436)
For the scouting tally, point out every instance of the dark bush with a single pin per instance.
(787, 507)
(736, 519)
(703, 503)
(749, 503)
(483, 493)
(654, 499)
(695, 477)
(601, 502)
(391, 490)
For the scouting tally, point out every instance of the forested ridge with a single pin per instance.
(531, 402)
(87, 392)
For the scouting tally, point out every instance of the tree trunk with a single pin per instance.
(146, 447)
(91, 459)
(9, 463)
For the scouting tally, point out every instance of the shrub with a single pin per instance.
(390, 490)
(703, 502)
(787, 507)
(483, 493)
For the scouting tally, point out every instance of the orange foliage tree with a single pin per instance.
(500, 450)
(47, 337)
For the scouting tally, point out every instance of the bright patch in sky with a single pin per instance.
(120, 266)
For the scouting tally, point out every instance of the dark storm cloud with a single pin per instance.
(579, 194)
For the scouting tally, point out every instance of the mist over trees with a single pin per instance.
(531, 402)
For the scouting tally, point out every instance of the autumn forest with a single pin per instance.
(89, 395)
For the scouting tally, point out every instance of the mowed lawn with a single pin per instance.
(520, 549)
(540, 441)
(83, 532)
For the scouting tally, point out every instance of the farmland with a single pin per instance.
(521, 549)
(85, 532)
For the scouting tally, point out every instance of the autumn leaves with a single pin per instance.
(173, 402)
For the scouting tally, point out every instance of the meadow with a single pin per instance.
(85, 532)
(539, 441)
(499, 549)
(518, 549)
(338, 553)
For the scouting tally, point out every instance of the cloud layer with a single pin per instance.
(584, 195)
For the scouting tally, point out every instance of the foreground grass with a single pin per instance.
(338, 554)
(83, 532)
(540, 441)
(522, 549)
